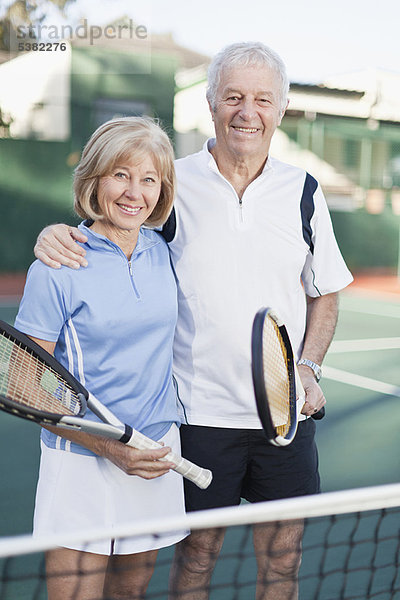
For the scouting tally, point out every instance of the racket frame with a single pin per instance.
(273, 436)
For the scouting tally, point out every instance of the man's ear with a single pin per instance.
(283, 112)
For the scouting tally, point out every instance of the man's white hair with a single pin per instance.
(246, 54)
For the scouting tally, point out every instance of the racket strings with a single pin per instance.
(26, 380)
(276, 376)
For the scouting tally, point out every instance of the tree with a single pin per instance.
(26, 13)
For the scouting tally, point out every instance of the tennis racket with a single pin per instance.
(35, 386)
(276, 379)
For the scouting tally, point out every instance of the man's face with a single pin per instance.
(247, 111)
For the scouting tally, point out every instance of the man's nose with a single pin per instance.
(248, 109)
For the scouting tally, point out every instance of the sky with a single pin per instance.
(315, 38)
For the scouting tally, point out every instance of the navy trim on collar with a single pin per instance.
(307, 209)
(169, 228)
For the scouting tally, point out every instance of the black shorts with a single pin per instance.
(245, 465)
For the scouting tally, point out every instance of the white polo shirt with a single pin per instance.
(231, 257)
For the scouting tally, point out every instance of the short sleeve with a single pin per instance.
(43, 311)
(325, 270)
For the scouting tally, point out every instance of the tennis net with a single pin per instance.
(351, 548)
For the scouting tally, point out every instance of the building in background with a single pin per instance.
(345, 132)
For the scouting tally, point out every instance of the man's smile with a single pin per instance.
(246, 129)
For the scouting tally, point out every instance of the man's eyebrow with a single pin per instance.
(236, 91)
(232, 91)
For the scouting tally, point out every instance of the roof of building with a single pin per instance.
(369, 94)
(127, 40)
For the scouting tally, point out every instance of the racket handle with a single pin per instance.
(201, 477)
(320, 414)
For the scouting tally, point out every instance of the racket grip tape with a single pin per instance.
(201, 477)
(320, 414)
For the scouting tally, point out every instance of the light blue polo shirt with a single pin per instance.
(114, 324)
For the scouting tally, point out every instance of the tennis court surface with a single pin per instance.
(349, 556)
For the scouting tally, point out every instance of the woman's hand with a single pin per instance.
(143, 463)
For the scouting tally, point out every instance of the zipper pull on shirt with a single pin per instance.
(241, 210)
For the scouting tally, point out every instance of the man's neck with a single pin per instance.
(239, 171)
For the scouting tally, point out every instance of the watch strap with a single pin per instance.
(313, 366)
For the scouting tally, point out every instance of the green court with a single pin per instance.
(358, 445)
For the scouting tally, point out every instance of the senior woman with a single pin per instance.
(112, 326)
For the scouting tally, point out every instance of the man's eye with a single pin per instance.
(233, 100)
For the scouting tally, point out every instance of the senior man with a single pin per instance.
(247, 231)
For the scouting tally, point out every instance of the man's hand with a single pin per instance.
(322, 313)
(315, 398)
(56, 246)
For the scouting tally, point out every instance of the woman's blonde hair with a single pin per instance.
(125, 139)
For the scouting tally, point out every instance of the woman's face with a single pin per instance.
(128, 195)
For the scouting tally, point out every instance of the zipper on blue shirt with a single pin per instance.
(136, 291)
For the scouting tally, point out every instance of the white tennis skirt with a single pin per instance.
(78, 493)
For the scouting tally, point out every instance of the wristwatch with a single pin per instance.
(313, 366)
